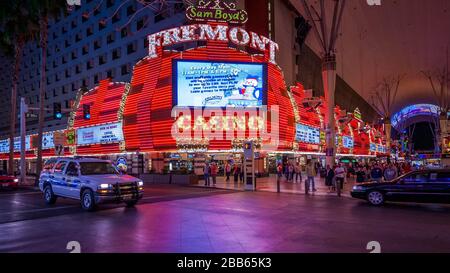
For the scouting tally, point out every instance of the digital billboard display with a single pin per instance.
(108, 133)
(307, 134)
(209, 84)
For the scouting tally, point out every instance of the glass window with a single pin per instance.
(49, 164)
(443, 177)
(97, 168)
(59, 167)
(72, 168)
(417, 178)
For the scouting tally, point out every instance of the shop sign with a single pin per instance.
(108, 133)
(216, 11)
(70, 137)
(47, 141)
(205, 32)
(4, 144)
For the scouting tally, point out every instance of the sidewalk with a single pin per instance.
(269, 184)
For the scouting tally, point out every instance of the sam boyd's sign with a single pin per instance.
(216, 11)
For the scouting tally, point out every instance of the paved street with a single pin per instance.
(187, 219)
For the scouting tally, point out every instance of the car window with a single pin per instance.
(416, 178)
(49, 164)
(97, 168)
(440, 177)
(59, 167)
(72, 168)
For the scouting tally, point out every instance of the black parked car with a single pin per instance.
(425, 186)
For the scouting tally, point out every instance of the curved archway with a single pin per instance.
(406, 120)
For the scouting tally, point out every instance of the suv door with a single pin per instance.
(58, 179)
(72, 175)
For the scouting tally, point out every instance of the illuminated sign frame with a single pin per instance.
(205, 32)
(175, 81)
(217, 11)
(99, 136)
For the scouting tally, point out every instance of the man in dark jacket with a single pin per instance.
(377, 173)
(329, 178)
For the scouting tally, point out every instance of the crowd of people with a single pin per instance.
(211, 171)
(336, 176)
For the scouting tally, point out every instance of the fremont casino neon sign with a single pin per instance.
(207, 32)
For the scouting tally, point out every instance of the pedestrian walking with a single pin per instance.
(214, 171)
(390, 173)
(298, 173)
(236, 173)
(311, 174)
(360, 175)
(329, 178)
(291, 172)
(228, 171)
(376, 173)
(279, 171)
(206, 173)
(340, 176)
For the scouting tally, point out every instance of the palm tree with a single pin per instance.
(45, 10)
(18, 26)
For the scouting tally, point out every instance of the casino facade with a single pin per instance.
(183, 108)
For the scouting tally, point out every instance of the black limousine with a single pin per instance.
(424, 186)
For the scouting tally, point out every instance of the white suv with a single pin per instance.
(92, 181)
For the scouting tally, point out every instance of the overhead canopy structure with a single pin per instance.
(403, 37)
(414, 114)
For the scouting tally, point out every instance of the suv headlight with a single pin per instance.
(16, 180)
(140, 184)
(104, 186)
(358, 188)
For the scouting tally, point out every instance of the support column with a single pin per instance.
(443, 124)
(329, 86)
(388, 128)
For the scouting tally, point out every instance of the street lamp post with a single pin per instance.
(23, 131)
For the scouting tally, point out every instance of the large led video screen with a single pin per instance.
(210, 84)
(307, 134)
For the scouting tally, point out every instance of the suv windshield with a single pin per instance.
(97, 168)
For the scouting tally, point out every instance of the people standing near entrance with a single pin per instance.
(214, 171)
(390, 173)
(291, 170)
(377, 173)
(298, 172)
(311, 174)
(228, 170)
(236, 173)
(340, 176)
(360, 175)
(206, 173)
(241, 175)
(329, 177)
(279, 171)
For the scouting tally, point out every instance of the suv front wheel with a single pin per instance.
(49, 196)
(88, 200)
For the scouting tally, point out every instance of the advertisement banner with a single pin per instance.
(4, 144)
(347, 142)
(47, 141)
(219, 84)
(108, 133)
